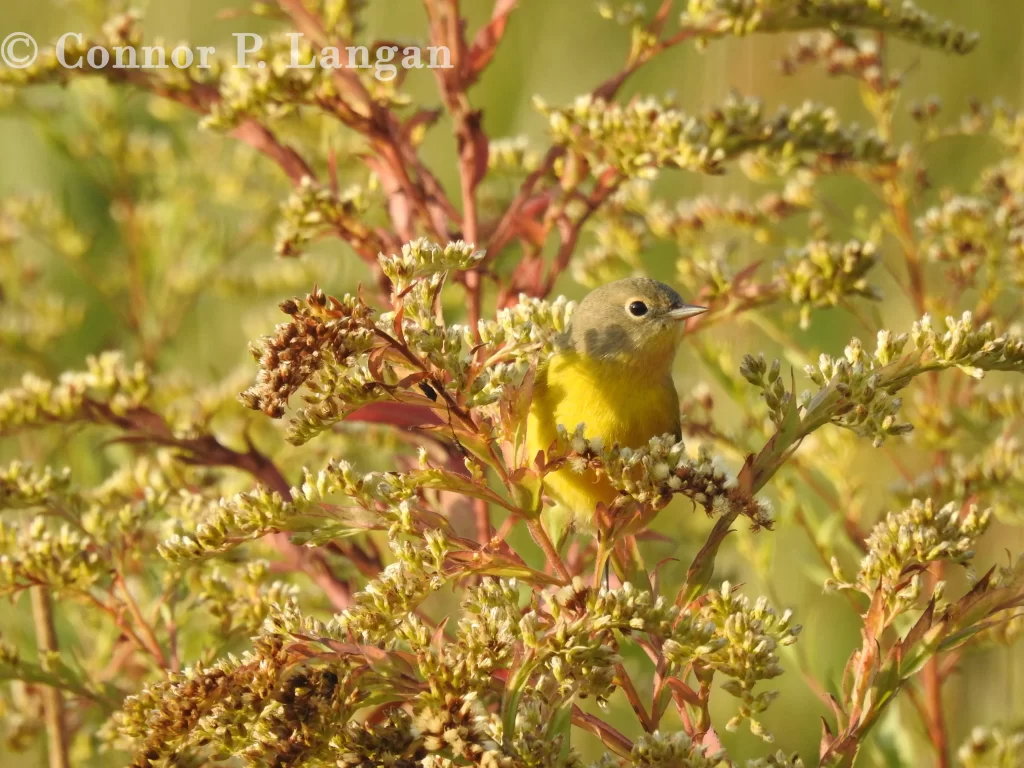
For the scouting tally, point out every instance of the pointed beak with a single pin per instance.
(685, 311)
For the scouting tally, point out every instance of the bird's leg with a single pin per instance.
(607, 575)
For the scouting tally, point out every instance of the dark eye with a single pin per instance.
(637, 309)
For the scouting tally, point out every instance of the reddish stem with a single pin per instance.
(936, 722)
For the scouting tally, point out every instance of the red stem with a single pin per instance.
(936, 722)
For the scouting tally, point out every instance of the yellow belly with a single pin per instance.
(617, 405)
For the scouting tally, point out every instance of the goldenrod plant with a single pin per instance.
(338, 552)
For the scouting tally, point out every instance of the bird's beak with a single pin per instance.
(685, 311)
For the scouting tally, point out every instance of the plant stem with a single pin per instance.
(146, 631)
(553, 558)
(207, 450)
(936, 723)
(933, 694)
(600, 561)
(626, 683)
(482, 516)
(53, 699)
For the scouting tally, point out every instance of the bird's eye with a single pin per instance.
(637, 308)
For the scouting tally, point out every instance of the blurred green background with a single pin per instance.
(559, 49)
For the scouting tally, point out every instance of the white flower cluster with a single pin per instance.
(421, 258)
(528, 328)
(915, 536)
(652, 474)
(638, 138)
(973, 351)
(107, 381)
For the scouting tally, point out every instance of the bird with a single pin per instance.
(612, 373)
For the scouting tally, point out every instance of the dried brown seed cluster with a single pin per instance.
(321, 328)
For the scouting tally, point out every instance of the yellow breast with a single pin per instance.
(617, 404)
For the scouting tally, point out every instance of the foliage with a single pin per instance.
(193, 607)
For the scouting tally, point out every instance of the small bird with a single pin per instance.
(614, 374)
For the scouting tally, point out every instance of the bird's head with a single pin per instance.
(635, 322)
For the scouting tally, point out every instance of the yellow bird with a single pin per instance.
(615, 376)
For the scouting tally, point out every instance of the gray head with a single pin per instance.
(637, 321)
